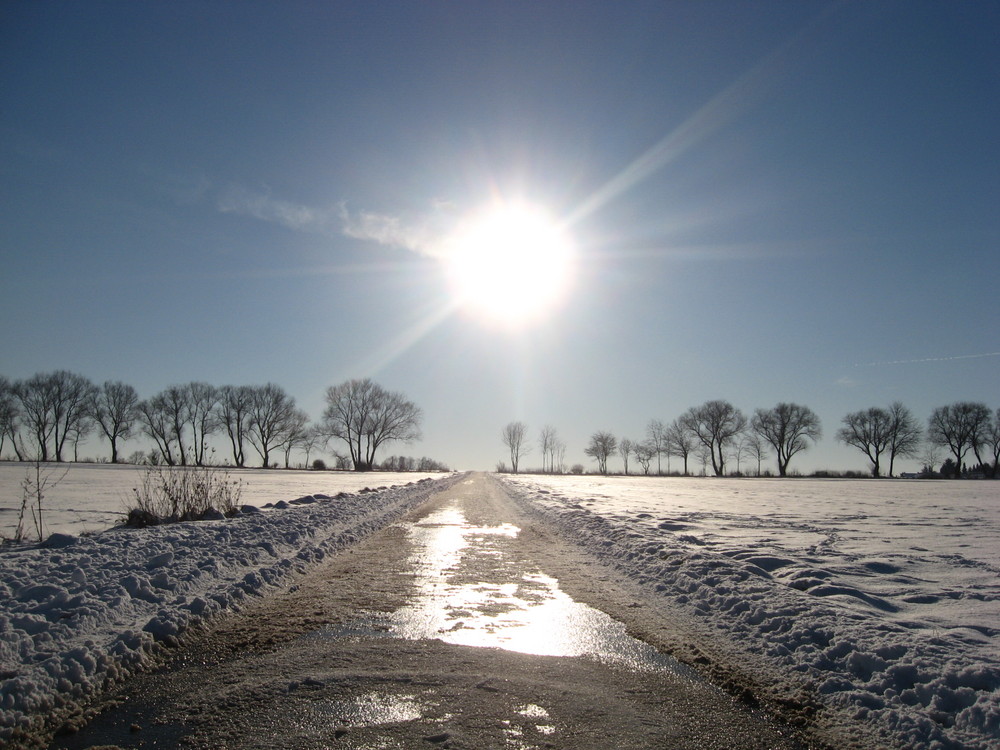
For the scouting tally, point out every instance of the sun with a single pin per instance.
(510, 263)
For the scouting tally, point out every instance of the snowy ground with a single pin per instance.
(83, 610)
(881, 597)
(90, 497)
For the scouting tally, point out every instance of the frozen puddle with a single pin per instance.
(525, 613)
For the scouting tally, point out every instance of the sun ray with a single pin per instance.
(382, 356)
(745, 92)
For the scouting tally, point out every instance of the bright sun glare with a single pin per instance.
(510, 263)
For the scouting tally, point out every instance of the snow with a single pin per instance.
(82, 611)
(879, 598)
(84, 498)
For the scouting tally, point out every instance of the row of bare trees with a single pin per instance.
(966, 426)
(43, 414)
(717, 432)
(514, 436)
(180, 419)
(894, 432)
(714, 432)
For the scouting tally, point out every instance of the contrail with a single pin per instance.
(928, 359)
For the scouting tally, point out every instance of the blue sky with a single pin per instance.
(790, 201)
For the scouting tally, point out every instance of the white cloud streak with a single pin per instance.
(418, 236)
(244, 202)
(928, 359)
(423, 235)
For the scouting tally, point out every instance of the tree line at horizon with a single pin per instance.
(717, 431)
(43, 416)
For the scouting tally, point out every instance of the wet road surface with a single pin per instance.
(448, 629)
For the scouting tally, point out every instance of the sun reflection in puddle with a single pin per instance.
(373, 709)
(529, 614)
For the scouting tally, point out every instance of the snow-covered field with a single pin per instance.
(83, 610)
(882, 598)
(90, 497)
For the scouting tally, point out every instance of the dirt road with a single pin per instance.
(466, 625)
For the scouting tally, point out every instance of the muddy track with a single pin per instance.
(372, 650)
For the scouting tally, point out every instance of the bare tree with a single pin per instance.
(868, 431)
(625, 449)
(312, 440)
(656, 437)
(54, 406)
(115, 409)
(365, 416)
(757, 448)
(981, 432)
(174, 404)
(9, 418)
(993, 442)
(547, 441)
(513, 435)
(703, 454)
(234, 414)
(788, 428)
(930, 458)
(644, 453)
(680, 442)
(297, 434)
(36, 399)
(959, 427)
(602, 445)
(272, 416)
(739, 448)
(74, 394)
(154, 414)
(905, 434)
(559, 456)
(78, 432)
(202, 400)
(715, 424)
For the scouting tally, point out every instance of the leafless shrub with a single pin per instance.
(38, 480)
(169, 495)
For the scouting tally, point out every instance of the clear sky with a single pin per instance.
(782, 201)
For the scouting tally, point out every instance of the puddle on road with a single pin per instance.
(529, 614)
(510, 609)
(373, 709)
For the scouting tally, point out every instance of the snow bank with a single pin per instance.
(78, 612)
(881, 599)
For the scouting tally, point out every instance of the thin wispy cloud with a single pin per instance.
(260, 205)
(421, 234)
(928, 359)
